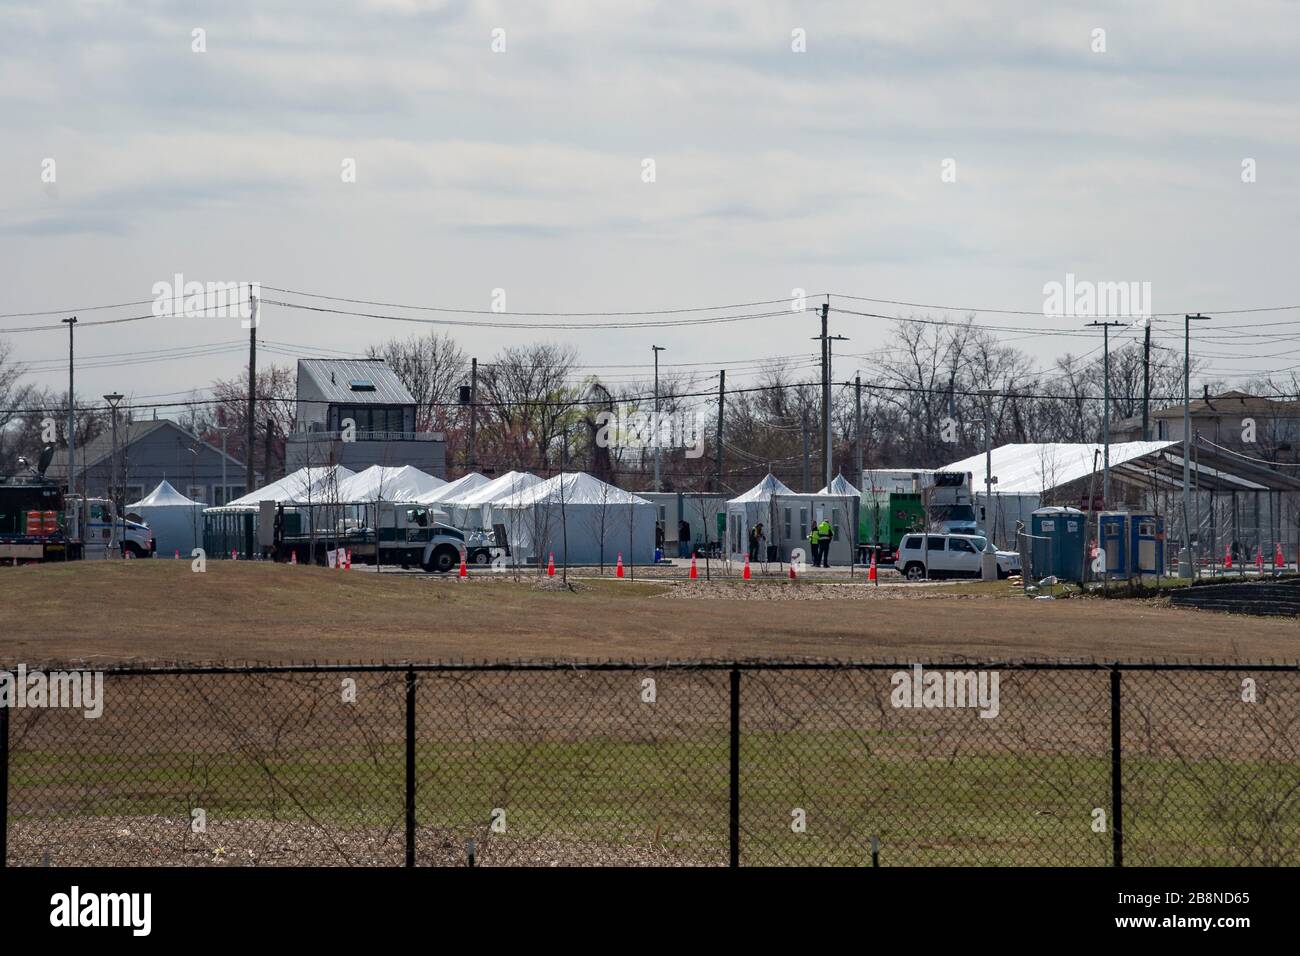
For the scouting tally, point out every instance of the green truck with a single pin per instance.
(883, 518)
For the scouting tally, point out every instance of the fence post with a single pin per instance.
(734, 827)
(4, 784)
(410, 767)
(1116, 773)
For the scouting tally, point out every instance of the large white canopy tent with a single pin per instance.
(477, 509)
(384, 483)
(316, 485)
(176, 521)
(452, 489)
(581, 520)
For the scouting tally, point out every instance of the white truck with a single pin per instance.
(38, 522)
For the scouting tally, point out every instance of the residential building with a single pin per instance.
(357, 413)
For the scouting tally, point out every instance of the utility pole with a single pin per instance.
(655, 431)
(471, 465)
(828, 454)
(806, 477)
(266, 455)
(1105, 409)
(857, 428)
(249, 484)
(72, 416)
(112, 399)
(722, 404)
(1186, 569)
(1146, 382)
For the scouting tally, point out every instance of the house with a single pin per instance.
(1261, 427)
(357, 413)
(149, 452)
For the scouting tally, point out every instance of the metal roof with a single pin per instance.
(334, 379)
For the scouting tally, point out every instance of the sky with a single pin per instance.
(949, 154)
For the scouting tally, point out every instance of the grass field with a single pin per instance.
(161, 611)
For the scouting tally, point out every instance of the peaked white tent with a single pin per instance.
(843, 516)
(841, 487)
(383, 483)
(476, 509)
(320, 484)
(579, 519)
(176, 521)
(451, 489)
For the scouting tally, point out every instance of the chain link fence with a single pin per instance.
(758, 764)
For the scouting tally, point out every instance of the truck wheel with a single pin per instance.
(915, 571)
(483, 557)
(135, 550)
(443, 559)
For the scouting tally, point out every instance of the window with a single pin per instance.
(912, 543)
(961, 544)
(787, 534)
(196, 493)
(134, 492)
(934, 542)
(803, 522)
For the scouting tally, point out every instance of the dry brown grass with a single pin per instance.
(161, 611)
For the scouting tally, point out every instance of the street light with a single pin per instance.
(113, 398)
(1185, 566)
(989, 480)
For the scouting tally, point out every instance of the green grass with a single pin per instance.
(968, 808)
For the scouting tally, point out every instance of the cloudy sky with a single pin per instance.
(522, 170)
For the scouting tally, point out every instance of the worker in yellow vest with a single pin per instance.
(825, 534)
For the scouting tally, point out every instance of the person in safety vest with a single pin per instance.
(822, 544)
(815, 547)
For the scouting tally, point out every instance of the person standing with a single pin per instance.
(825, 534)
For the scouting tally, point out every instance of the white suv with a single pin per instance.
(950, 556)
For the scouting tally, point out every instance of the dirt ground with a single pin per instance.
(104, 612)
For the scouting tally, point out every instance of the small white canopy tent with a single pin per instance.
(383, 483)
(452, 489)
(581, 520)
(478, 508)
(176, 521)
(756, 506)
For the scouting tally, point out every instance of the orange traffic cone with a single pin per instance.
(176, 556)
(1227, 556)
(464, 571)
(550, 566)
(695, 572)
(871, 573)
(618, 568)
(293, 556)
(1279, 558)
(793, 576)
(1259, 561)
(745, 573)
(234, 555)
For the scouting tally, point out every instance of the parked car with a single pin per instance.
(950, 556)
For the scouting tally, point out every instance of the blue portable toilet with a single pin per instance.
(1115, 541)
(1146, 544)
(1057, 543)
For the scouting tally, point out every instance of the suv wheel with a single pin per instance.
(915, 571)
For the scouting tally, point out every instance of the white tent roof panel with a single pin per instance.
(1031, 469)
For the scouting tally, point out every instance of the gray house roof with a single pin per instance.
(355, 381)
(100, 449)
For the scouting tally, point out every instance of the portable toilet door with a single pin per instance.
(1146, 540)
(1058, 542)
(1114, 541)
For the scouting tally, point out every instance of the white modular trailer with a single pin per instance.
(788, 518)
(705, 515)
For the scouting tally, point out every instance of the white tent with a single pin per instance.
(452, 489)
(318, 485)
(1027, 471)
(176, 521)
(841, 487)
(581, 520)
(787, 518)
(476, 509)
(382, 483)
